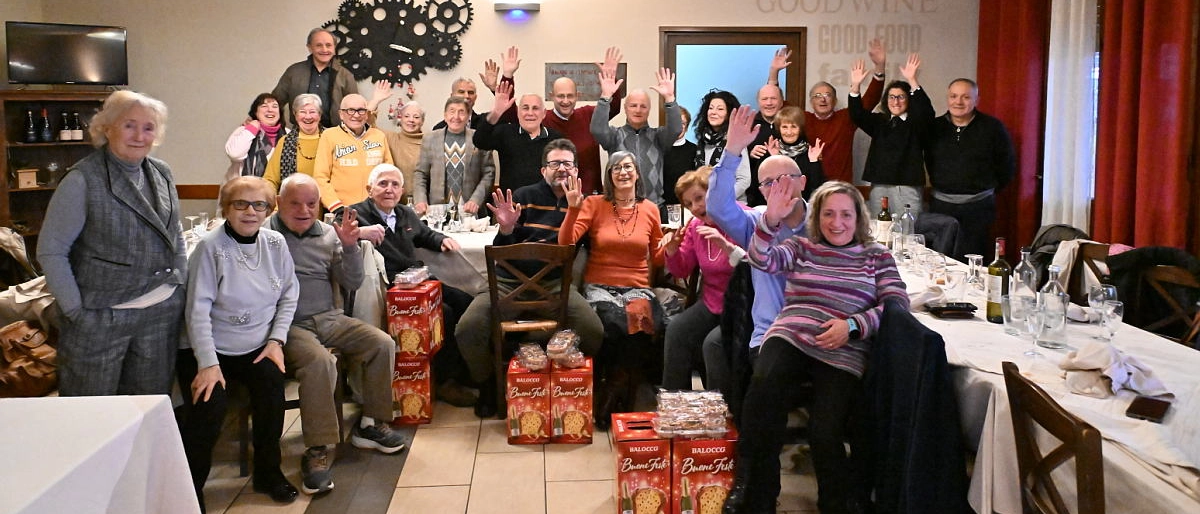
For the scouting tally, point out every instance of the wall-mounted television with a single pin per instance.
(57, 53)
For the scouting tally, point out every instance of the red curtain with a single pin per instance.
(1144, 135)
(1014, 36)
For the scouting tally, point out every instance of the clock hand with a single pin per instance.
(401, 48)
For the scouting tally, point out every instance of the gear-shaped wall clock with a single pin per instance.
(398, 40)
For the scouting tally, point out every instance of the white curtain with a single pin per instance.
(1070, 158)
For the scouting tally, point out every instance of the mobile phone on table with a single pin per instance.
(1147, 408)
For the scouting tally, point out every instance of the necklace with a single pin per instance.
(708, 251)
(301, 153)
(631, 220)
(244, 259)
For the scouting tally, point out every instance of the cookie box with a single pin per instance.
(414, 319)
(643, 464)
(528, 395)
(571, 403)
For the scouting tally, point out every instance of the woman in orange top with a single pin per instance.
(623, 229)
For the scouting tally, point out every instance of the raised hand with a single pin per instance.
(510, 61)
(347, 230)
(612, 58)
(609, 83)
(253, 123)
(274, 353)
(909, 70)
(759, 151)
(504, 100)
(671, 240)
(858, 72)
(780, 202)
(666, 84)
(491, 75)
(381, 92)
(504, 210)
(742, 130)
(574, 187)
(815, 149)
(780, 61)
(878, 55)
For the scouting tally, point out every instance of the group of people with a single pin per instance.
(257, 298)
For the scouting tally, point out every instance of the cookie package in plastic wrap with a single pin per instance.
(412, 277)
(563, 348)
(532, 357)
(691, 414)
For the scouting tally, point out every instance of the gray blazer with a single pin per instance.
(429, 179)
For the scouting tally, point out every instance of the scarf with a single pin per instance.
(708, 137)
(272, 133)
(798, 149)
(291, 147)
(256, 157)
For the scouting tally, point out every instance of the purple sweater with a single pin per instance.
(823, 283)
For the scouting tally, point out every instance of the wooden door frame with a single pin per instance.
(795, 38)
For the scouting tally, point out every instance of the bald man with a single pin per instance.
(346, 154)
(647, 144)
(520, 144)
(575, 122)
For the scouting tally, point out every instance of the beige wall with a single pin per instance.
(207, 59)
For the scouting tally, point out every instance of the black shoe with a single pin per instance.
(278, 489)
(485, 406)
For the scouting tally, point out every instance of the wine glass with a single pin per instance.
(913, 245)
(1033, 323)
(974, 279)
(955, 279)
(1096, 298)
(674, 215)
(192, 222)
(436, 213)
(203, 227)
(1112, 314)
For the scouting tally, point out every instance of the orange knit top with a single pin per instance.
(622, 243)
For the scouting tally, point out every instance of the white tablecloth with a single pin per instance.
(117, 454)
(465, 269)
(1148, 467)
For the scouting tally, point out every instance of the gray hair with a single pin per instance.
(316, 31)
(380, 169)
(460, 80)
(305, 99)
(296, 180)
(119, 103)
(414, 105)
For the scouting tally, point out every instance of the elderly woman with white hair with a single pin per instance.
(396, 231)
(112, 249)
(405, 144)
(295, 151)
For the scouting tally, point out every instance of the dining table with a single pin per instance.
(1148, 467)
(92, 454)
(466, 268)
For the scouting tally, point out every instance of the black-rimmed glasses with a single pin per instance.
(771, 181)
(241, 205)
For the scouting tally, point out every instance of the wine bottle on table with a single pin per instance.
(883, 223)
(997, 283)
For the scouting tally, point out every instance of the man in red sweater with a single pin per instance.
(574, 123)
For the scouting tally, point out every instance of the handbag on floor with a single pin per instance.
(27, 360)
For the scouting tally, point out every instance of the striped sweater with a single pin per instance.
(823, 283)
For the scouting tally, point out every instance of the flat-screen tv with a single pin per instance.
(57, 53)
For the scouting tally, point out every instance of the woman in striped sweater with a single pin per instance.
(838, 280)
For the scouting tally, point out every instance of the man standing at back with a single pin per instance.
(320, 75)
(833, 126)
(519, 145)
(346, 154)
(647, 144)
(575, 122)
(969, 156)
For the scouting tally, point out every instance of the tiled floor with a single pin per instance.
(459, 464)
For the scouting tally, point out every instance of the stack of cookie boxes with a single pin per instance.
(549, 405)
(414, 319)
(673, 475)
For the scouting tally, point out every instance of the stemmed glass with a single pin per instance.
(192, 222)
(203, 228)
(1096, 298)
(974, 279)
(1112, 314)
(913, 245)
(436, 214)
(1033, 323)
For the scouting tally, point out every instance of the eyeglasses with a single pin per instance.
(241, 205)
(897, 97)
(771, 181)
(560, 165)
(355, 112)
(822, 95)
(627, 167)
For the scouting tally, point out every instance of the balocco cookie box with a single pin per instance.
(411, 399)
(571, 403)
(414, 319)
(702, 473)
(643, 484)
(528, 395)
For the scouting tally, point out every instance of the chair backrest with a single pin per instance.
(1031, 408)
(1090, 258)
(688, 287)
(533, 292)
(1167, 281)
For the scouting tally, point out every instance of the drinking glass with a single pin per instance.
(203, 228)
(935, 266)
(954, 281)
(1033, 323)
(974, 279)
(1096, 298)
(674, 215)
(436, 213)
(1112, 314)
(1014, 314)
(913, 245)
(192, 222)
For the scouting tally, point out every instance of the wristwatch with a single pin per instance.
(855, 333)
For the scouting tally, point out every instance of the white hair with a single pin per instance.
(295, 180)
(380, 169)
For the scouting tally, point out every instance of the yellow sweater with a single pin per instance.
(344, 163)
(306, 150)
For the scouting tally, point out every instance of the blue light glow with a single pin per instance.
(517, 15)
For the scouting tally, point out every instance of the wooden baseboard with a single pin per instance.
(197, 191)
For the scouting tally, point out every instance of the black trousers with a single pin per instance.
(779, 368)
(448, 363)
(974, 226)
(200, 424)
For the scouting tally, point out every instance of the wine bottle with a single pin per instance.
(883, 223)
(64, 128)
(45, 136)
(31, 132)
(76, 127)
(997, 283)
(685, 501)
(626, 501)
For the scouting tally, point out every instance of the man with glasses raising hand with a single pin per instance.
(346, 154)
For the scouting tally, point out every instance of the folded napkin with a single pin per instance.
(1099, 370)
(1083, 314)
(477, 224)
(933, 295)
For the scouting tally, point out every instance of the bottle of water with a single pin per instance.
(1024, 276)
(908, 226)
(1052, 306)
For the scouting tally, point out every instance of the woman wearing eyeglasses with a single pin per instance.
(242, 293)
(250, 146)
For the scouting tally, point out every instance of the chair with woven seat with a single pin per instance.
(533, 300)
(1168, 281)
(1032, 408)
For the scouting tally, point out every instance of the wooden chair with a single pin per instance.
(1090, 258)
(1166, 281)
(534, 305)
(1031, 406)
